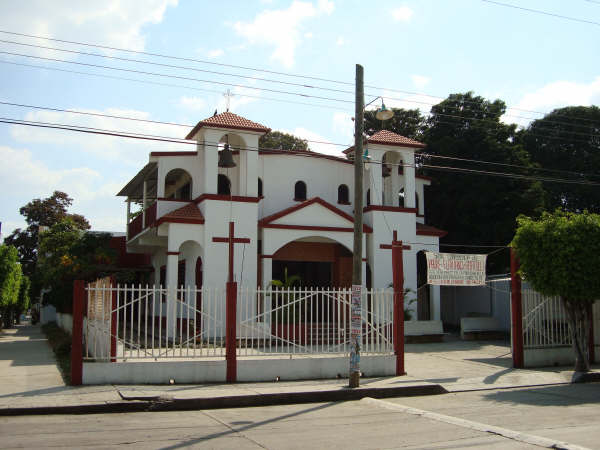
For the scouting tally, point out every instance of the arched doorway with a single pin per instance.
(199, 281)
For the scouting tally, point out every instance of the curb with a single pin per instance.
(239, 401)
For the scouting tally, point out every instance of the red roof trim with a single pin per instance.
(186, 214)
(426, 230)
(389, 208)
(228, 121)
(267, 220)
(315, 228)
(226, 198)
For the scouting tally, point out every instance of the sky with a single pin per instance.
(414, 54)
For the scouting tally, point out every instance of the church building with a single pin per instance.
(292, 212)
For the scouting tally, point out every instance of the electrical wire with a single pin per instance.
(157, 74)
(248, 68)
(425, 155)
(156, 83)
(546, 13)
(148, 137)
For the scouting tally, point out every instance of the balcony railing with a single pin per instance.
(142, 221)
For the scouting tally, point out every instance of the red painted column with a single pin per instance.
(113, 320)
(230, 326)
(516, 311)
(77, 335)
(398, 277)
(591, 344)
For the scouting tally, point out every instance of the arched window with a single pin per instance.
(178, 185)
(223, 185)
(368, 197)
(401, 198)
(260, 188)
(417, 202)
(343, 195)
(300, 190)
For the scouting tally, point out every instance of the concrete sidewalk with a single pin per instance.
(31, 382)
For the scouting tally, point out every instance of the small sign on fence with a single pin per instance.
(452, 269)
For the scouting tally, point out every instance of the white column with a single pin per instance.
(394, 200)
(409, 179)
(145, 185)
(172, 266)
(127, 219)
(210, 162)
(267, 272)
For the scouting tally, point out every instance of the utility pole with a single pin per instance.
(356, 323)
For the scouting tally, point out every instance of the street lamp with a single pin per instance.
(356, 317)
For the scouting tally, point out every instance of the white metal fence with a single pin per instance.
(149, 322)
(545, 322)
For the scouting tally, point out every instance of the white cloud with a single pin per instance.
(193, 103)
(282, 28)
(555, 95)
(340, 41)
(25, 178)
(420, 81)
(215, 53)
(402, 14)
(343, 125)
(132, 152)
(115, 23)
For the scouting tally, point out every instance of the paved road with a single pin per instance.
(570, 413)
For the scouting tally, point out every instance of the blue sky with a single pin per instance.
(425, 49)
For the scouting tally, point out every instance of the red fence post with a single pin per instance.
(230, 327)
(113, 320)
(77, 334)
(398, 277)
(591, 343)
(516, 311)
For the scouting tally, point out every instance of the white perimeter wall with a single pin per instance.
(259, 369)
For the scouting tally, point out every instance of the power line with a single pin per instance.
(157, 83)
(236, 85)
(112, 116)
(172, 66)
(148, 137)
(238, 76)
(142, 72)
(546, 13)
(255, 70)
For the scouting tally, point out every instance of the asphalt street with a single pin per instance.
(529, 418)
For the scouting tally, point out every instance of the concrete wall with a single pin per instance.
(258, 369)
(47, 314)
(65, 321)
(491, 300)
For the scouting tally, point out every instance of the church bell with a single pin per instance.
(226, 157)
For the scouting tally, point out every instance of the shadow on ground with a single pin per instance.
(564, 395)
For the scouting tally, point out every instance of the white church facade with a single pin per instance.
(292, 211)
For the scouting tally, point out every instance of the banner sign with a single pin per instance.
(355, 328)
(454, 269)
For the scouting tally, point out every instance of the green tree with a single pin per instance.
(67, 253)
(282, 141)
(40, 212)
(567, 139)
(10, 282)
(23, 302)
(560, 256)
(472, 207)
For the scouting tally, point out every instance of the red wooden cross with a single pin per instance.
(231, 240)
(395, 241)
(398, 278)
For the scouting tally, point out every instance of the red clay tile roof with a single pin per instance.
(386, 137)
(228, 120)
(186, 214)
(427, 230)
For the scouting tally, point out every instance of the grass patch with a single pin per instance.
(60, 341)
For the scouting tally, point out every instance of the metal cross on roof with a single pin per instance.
(228, 96)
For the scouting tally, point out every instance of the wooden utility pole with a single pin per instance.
(355, 337)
